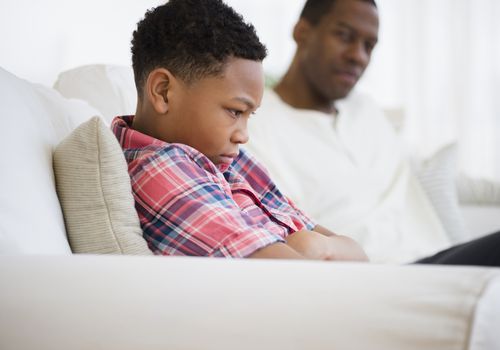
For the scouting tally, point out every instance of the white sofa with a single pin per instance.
(53, 299)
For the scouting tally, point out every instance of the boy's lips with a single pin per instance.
(228, 158)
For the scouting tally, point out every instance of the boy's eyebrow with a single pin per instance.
(245, 101)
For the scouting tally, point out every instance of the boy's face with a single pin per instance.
(211, 114)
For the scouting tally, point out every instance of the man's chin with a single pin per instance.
(340, 94)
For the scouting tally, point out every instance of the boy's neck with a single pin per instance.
(141, 120)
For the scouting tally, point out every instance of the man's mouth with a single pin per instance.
(349, 77)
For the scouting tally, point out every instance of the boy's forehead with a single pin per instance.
(238, 71)
(240, 81)
(244, 80)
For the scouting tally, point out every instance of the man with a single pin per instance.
(339, 159)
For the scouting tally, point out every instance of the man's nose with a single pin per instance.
(357, 53)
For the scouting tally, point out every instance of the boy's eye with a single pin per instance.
(235, 113)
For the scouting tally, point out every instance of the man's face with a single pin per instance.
(337, 50)
(211, 114)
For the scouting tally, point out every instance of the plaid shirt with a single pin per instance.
(188, 206)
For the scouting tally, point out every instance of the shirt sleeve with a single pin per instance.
(301, 216)
(259, 178)
(186, 210)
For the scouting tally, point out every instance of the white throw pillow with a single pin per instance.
(437, 176)
(34, 119)
(109, 88)
(95, 193)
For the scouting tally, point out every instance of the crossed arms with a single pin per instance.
(318, 244)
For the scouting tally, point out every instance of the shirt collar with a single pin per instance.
(133, 139)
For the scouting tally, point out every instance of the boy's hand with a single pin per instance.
(314, 245)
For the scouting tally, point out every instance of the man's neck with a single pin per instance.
(293, 89)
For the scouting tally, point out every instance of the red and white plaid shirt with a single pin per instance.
(187, 206)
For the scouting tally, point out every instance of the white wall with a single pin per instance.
(437, 59)
(42, 37)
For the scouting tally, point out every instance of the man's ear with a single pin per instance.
(302, 31)
(157, 88)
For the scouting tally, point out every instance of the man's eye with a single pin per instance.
(343, 35)
(369, 46)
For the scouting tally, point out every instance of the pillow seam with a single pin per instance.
(97, 126)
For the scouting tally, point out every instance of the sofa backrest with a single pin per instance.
(108, 88)
(34, 120)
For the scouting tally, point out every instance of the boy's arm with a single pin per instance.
(299, 245)
(326, 245)
(277, 251)
(350, 248)
(320, 244)
(324, 231)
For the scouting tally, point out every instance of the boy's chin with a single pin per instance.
(223, 166)
(221, 162)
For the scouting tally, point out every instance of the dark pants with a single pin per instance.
(484, 251)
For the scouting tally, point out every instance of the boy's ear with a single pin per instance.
(157, 88)
(301, 32)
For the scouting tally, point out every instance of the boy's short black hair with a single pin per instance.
(314, 10)
(192, 39)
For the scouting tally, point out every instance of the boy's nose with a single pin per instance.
(240, 135)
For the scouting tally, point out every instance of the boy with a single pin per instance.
(198, 72)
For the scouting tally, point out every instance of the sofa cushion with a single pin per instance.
(437, 177)
(34, 120)
(95, 193)
(109, 88)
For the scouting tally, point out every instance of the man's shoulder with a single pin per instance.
(361, 108)
(272, 102)
(276, 111)
(358, 101)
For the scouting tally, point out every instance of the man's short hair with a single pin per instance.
(314, 10)
(192, 39)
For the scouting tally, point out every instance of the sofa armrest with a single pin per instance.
(481, 219)
(126, 302)
(477, 191)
